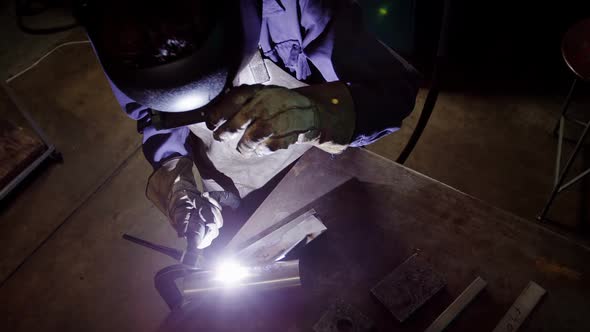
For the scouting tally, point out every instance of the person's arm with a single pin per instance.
(158, 145)
(371, 90)
(383, 86)
(172, 187)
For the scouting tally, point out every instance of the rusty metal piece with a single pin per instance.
(342, 317)
(408, 287)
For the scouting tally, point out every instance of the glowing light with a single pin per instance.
(383, 11)
(190, 102)
(335, 101)
(230, 273)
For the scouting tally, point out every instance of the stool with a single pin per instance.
(575, 50)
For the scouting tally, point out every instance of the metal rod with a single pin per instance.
(574, 180)
(576, 121)
(559, 150)
(273, 276)
(24, 173)
(566, 104)
(171, 252)
(458, 305)
(566, 169)
(522, 307)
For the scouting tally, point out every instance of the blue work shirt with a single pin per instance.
(325, 36)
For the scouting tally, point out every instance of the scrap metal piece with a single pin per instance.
(458, 305)
(408, 287)
(276, 275)
(521, 308)
(274, 243)
(343, 317)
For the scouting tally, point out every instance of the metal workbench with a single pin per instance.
(378, 213)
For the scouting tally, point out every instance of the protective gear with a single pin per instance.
(171, 56)
(270, 118)
(194, 215)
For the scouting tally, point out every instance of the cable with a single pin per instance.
(432, 96)
(45, 56)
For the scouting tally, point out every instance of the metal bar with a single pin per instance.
(566, 169)
(576, 121)
(458, 305)
(566, 104)
(574, 180)
(559, 150)
(276, 275)
(521, 308)
(24, 173)
(170, 252)
(275, 242)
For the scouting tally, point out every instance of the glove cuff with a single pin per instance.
(174, 179)
(336, 114)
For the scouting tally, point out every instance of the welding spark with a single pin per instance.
(230, 273)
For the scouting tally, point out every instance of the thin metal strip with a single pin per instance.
(458, 305)
(559, 150)
(521, 308)
(574, 180)
(274, 245)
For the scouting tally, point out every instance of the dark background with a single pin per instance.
(495, 45)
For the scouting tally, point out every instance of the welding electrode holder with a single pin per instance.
(165, 120)
(192, 256)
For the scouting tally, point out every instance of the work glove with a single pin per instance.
(194, 215)
(270, 118)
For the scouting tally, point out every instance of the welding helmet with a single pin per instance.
(174, 55)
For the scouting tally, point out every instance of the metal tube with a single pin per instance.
(272, 276)
(574, 180)
(566, 169)
(559, 150)
(171, 252)
(24, 173)
(566, 104)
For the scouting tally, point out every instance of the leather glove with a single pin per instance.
(270, 118)
(194, 215)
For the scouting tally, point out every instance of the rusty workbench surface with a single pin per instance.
(378, 213)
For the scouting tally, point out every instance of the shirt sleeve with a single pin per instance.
(158, 145)
(382, 84)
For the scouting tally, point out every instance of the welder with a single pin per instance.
(201, 57)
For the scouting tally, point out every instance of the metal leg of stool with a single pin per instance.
(566, 104)
(557, 188)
